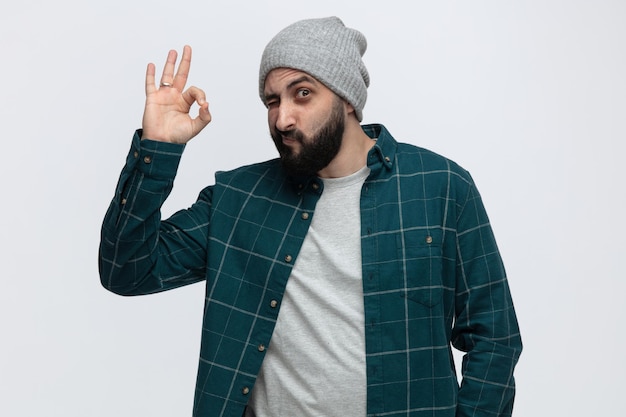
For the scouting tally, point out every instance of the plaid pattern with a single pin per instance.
(432, 274)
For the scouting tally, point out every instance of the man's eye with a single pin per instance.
(303, 92)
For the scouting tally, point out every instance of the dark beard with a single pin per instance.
(316, 152)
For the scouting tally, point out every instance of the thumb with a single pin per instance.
(196, 95)
(203, 119)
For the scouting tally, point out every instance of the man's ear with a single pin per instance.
(348, 108)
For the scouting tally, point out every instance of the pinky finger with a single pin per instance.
(150, 86)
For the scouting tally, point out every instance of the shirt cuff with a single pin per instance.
(153, 158)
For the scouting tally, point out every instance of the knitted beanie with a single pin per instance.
(325, 49)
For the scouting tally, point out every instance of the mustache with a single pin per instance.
(294, 134)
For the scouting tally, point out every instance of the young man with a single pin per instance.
(338, 275)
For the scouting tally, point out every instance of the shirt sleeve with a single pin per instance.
(486, 326)
(139, 253)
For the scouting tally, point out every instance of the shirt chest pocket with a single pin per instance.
(420, 264)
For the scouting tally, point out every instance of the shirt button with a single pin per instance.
(245, 391)
(123, 201)
(315, 186)
(261, 347)
(429, 239)
(136, 154)
(147, 159)
(273, 303)
(288, 258)
(305, 216)
(387, 159)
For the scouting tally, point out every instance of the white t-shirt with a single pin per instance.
(315, 364)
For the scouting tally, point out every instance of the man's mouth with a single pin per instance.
(289, 139)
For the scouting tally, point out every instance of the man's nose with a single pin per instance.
(286, 119)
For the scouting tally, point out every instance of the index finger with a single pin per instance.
(183, 69)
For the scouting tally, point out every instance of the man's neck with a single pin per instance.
(353, 153)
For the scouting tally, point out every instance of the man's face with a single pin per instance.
(306, 120)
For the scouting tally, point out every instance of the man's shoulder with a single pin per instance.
(413, 157)
(252, 175)
(254, 168)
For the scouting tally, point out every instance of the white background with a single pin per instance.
(529, 96)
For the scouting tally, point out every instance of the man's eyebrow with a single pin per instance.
(269, 97)
(302, 79)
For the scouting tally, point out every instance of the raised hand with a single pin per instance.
(166, 116)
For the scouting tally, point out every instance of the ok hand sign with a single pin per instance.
(166, 116)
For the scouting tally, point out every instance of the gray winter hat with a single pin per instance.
(326, 49)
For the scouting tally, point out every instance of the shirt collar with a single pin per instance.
(384, 152)
(381, 155)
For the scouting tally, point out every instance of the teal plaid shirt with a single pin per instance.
(432, 274)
